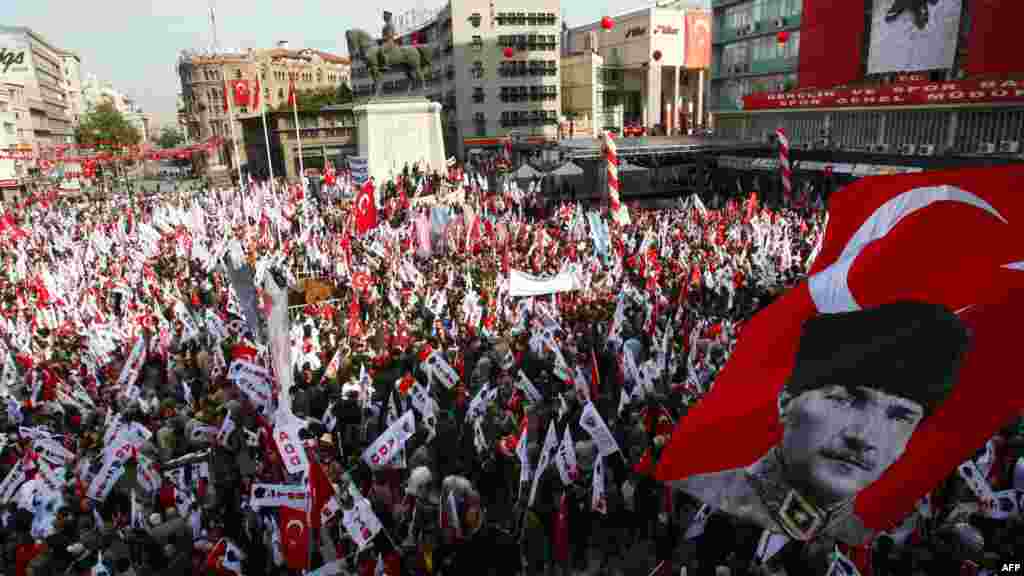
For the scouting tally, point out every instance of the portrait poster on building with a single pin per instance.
(876, 359)
(909, 35)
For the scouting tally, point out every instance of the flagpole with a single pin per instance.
(231, 123)
(298, 137)
(266, 141)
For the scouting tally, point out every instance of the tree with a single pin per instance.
(317, 98)
(170, 137)
(107, 125)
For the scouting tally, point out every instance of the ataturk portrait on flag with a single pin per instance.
(862, 384)
(852, 396)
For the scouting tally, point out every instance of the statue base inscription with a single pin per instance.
(394, 132)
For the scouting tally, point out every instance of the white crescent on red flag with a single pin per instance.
(954, 238)
(294, 538)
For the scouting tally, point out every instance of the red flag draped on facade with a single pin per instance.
(888, 240)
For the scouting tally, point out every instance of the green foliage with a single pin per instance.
(170, 137)
(315, 99)
(106, 124)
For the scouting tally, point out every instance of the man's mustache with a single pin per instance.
(855, 457)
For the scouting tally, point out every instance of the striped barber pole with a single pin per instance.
(784, 167)
(619, 211)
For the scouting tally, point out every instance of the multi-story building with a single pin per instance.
(72, 68)
(327, 135)
(494, 69)
(204, 79)
(653, 64)
(37, 68)
(868, 77)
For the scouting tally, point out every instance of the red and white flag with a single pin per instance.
(888, 239)
(366, 209)
(294, 537)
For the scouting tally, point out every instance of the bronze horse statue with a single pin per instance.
(414, 60)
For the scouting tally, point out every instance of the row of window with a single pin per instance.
(736, 58)
(516, 68)
(733, 92)
(528, 117)
(529, 41)
(743, 15)
(527, 19)
(528, 93)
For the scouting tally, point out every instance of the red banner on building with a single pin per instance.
(831, 34)
(911, 94)
(698, 39)
(995, 33)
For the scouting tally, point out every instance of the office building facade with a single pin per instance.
(863, 77)
(494, 68)
(205, 77)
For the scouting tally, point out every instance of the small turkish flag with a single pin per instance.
(294, 537)
(366, 209)
(241, 91)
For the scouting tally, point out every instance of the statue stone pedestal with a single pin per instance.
(395, 131)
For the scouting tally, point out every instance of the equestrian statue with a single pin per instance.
(386, 54)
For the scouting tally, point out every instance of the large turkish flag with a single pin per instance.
(954, 238)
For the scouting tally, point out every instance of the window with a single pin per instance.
(280, 93)
(478, 94)
(477, 70)
(475, 19)
(238, 74)
(478, 43)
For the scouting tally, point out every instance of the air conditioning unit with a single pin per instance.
(821, 143)
(986, 148)
(908, 149)
(1009, 147)
(779, 22)
(880, 148)
(823, 133)
(926, 150)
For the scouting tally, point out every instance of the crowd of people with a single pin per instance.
(450, 377)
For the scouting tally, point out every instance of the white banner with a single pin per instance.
(359, 521)
(523, 284)
(254, 381)
(392, 440)
(276, 495)
(14, 479)
(565, 459)
(286, 436)
(592, 422)
(550, 444)
(131, 369)
(105, 479)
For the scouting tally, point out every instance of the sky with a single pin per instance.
(134, 43)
